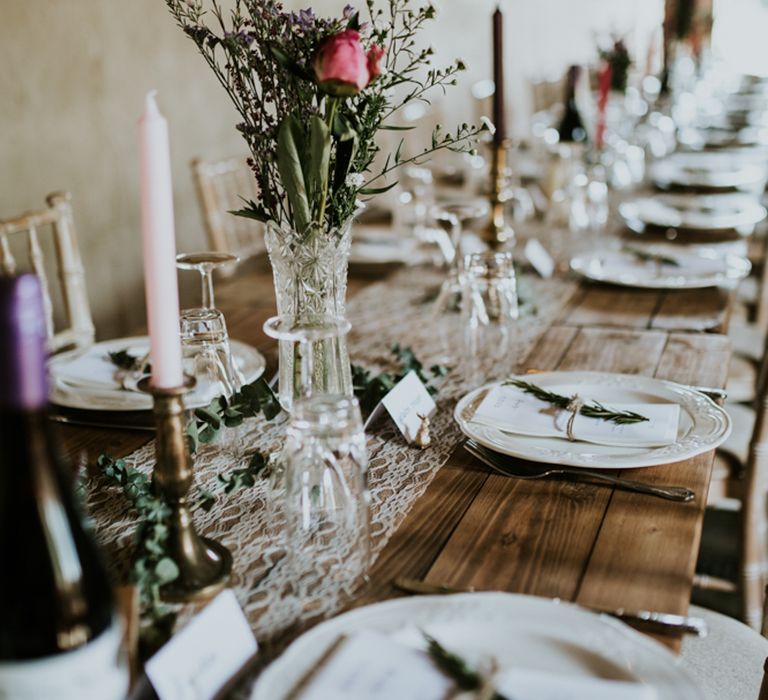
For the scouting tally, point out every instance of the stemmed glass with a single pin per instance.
(456, 214)
(205, 344)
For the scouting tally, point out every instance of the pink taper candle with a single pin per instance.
(161, 287)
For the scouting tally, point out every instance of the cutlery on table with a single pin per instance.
(648, 620)
(507, 467)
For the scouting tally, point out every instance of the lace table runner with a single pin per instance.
(385, 313)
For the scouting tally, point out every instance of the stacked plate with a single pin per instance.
(717, 171)
(662, 267)
(716, 213)
(681, 422)
(87, 379)
(538, 647)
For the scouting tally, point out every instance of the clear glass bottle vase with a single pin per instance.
(310, 276)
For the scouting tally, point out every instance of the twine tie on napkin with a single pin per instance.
(574, 406)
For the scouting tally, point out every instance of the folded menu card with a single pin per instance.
(368, 665)
(524, 684)
(510, 409)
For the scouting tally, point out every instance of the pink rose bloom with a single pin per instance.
(340, 64)
(375, 55)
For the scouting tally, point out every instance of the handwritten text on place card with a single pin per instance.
(205, 654)
(406, 402)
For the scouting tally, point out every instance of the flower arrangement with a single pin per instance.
(313, 93)
(618, 58)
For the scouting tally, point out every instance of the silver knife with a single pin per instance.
(648, 620)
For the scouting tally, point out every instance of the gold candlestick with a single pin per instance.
(499, 231)
(204, 564)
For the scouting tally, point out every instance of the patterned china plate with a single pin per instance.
(516, 630)
(64, 393)
(703, 424)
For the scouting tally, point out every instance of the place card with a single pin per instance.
(511, 409)
(406, 402)
(368, 665)
(198, 661)
(537, 255)
(527, 684)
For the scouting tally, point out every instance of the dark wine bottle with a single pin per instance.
(59, 635)
(571, 127)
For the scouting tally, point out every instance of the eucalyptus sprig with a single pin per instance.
(207, 422)
(592, 409)
(647, 256)
(457, 669)
(370, 388)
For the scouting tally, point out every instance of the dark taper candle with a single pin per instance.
(499, 115)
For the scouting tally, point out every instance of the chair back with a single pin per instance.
(221, 187)
(753, 561)
(44, 242)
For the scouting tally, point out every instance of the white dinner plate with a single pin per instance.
(693, 271)
(710, 212)
(703, 424)
(518, 631)
(710, 170)
(72, 395)
(380, 245)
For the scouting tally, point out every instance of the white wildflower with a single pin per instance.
(354, 180)
(488, 124)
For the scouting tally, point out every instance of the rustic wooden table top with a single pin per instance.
(590, 544)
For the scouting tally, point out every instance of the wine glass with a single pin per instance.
(456, 214)
(207, 355)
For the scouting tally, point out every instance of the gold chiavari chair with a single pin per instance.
(221, 187)
(23, 246)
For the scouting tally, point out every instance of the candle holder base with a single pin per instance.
(209, 574)
(204, 564)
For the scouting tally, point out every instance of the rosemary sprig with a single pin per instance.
(593, 409)
(646, 256)
(456, 668)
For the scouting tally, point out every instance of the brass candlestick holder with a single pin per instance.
(204, 564)
(499, 232)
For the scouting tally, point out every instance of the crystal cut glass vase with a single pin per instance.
(310, 276)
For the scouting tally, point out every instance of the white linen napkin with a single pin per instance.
(526, 684)
(92, 369)
(512, 410)
(687, 265)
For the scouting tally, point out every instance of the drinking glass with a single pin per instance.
(310, 355)
(446, 317)
(204, 338)
(326, 503)
(489, 314)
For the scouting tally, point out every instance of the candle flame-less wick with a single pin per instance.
(150, 103)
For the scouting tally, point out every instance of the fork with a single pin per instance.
(495, 462)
